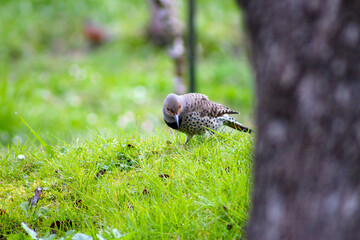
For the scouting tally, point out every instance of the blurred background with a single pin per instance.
(72, 68)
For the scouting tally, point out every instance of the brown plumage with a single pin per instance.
(197, 102)
(194, 113)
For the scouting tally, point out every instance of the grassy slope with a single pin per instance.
(198, 191)
(70, 94)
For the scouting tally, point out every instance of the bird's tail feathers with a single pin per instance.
(236, 125)
(226, 111)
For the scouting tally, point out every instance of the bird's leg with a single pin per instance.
(188, 137)
(207, 134)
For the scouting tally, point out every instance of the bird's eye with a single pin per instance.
(169, 110)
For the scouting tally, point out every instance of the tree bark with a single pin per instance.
(306, 56)
(165, 24)
(165, 29)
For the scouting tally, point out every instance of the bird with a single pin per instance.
(96, 34)
(194, 114)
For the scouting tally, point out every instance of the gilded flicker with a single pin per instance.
(193, 114)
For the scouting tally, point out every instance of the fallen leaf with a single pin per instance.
(225, 208)
(35, 199)
(81, 236)
(229, 226)
(164, 176)
(31, 232)
(101, 172)
(80, 204)
(2, 212)
(61, 225)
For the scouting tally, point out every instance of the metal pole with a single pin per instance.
(192, 45)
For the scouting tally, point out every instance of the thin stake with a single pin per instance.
(192, 44)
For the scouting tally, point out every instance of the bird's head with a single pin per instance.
(173, 107)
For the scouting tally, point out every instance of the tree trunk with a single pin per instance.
(306, 56)
(165, 29)
(165, 24)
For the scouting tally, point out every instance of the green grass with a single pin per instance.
(49, 76)
(200, 191)
(86, 106)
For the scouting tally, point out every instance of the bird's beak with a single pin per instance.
(177, 120)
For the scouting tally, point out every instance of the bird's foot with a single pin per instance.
(188, 137)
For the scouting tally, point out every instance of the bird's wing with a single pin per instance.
(197, 102)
